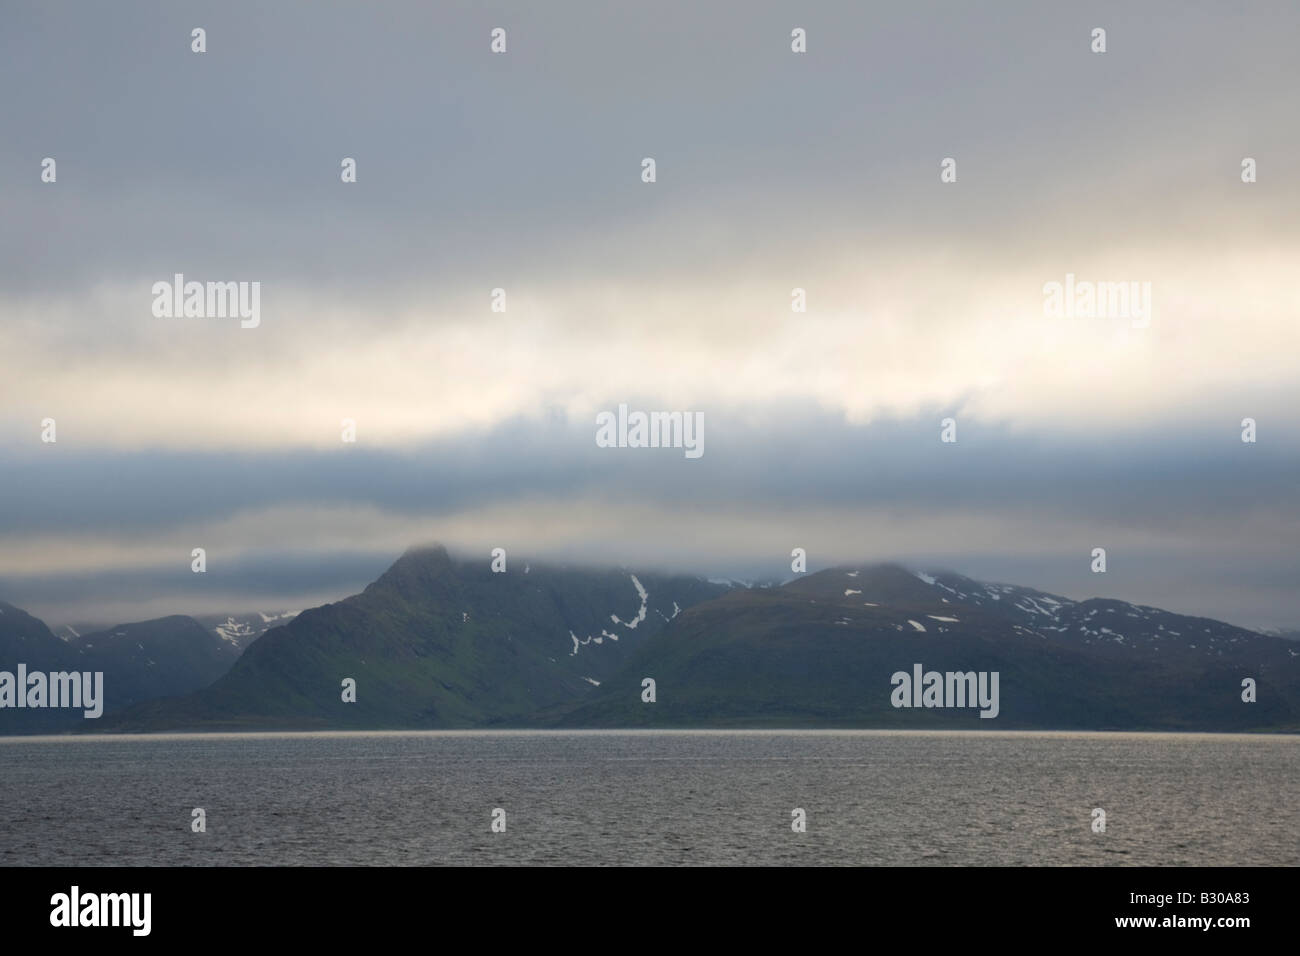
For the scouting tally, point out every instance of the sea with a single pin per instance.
(652, 798)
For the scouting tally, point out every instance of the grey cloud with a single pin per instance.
(477, 171)
(1206, 522)
(472, 165)
(779, 461)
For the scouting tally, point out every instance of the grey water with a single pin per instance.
(651, 798)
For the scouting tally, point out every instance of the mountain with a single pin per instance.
(26, 639)
(74, 630)
(442, 642)
(159, 658)
(240, 630)
(439, 642)
(822, 651)
(140, 661)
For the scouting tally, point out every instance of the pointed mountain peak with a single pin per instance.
(425, 553)
(416, 568)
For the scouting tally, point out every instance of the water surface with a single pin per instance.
(638, 798)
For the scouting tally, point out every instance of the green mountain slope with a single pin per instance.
(437, 642)
(821, 652)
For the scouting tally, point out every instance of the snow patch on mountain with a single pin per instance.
(1035, 607)
(268, 618)
(640, 614)
(235, 632)
(630, 625)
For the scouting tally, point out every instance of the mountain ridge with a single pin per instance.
(821, 651)
(436, 641)
(444, 641)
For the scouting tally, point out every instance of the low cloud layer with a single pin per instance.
(1196, 520)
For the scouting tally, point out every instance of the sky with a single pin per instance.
(522, 171)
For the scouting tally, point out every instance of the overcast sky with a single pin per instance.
(522, 170)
